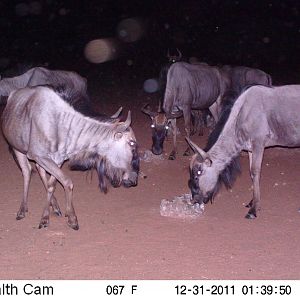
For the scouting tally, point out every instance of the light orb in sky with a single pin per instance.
(101, 50)
(151, 85)
(130, 30)
(129, 62)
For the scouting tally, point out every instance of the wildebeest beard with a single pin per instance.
(87, 161)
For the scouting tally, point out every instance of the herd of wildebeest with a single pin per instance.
(48, 119)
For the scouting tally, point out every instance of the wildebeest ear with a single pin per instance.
(207, 162)
(197, 149)
(146, 110)
(118, 135)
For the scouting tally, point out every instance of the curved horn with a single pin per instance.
(160, 107)
(168, 53)
(179, 54)
(197, 149)
(128, 120)
(117, 113)
(147, 111)
(122, 126)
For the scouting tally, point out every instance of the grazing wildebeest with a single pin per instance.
(192, 87)
(40, 126)
(260, 117)
(162, 79)
(69, 85)
(241, 77)
(73, 82)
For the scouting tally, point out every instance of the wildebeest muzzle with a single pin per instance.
(197, 195)
(158, 138)
(131, 181)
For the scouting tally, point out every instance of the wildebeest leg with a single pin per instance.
(50, 190)
(256, 162)
(67, 183)
(26, 172)
(199, 122)
(250, 165)
(187, 126)
(215, 109)
(172, 155)
(51, 182)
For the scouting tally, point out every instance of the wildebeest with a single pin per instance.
(67, 84)
(162, 79)
(241, 77)
(160, 126)
(192, 87)
(40, 126)
(71, 81)
(260, 117)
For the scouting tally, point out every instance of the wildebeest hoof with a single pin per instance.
(74, 226)
(249, 204)
(187, 152)
(21, 213)
(73, 223)
(20, 216)
(44, 223)
(171, 157)
(250, 216)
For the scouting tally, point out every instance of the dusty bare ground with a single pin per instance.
(123, 236)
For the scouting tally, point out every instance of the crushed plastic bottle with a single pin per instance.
(181, 207)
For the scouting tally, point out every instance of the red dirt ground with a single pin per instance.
(123, 236)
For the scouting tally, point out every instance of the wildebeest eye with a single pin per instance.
(167, 127)
(152, 126)
(199, 172)
(132, 143)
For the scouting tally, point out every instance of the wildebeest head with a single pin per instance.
(175, 57)
(204, 180)
(116, 158)
(160, 127)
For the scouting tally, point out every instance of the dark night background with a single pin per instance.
(263, 34)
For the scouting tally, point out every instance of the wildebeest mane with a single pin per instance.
(77, 99)
(233, 169)
(80, 102)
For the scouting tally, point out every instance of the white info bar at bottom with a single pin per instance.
(147, 289)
